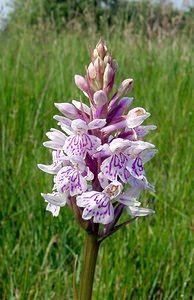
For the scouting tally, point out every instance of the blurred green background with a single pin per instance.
(44, 44)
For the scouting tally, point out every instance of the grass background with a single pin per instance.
(151, 258)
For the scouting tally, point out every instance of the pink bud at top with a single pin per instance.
(99, 65)
(101, 49)
(100, 98)
(95, 53)
(68, 110)
(81, 83)
(91, 71)
(108, 75)
(125, 87)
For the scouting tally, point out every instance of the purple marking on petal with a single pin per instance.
(116, 166)
(69, 179)
(137, 167)
(81, 144)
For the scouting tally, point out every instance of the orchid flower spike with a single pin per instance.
(99, 153)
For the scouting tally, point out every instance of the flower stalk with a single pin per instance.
(89, 265)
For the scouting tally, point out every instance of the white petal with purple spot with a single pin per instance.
(96, 205)
(69, 179)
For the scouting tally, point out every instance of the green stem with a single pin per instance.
(89, 264)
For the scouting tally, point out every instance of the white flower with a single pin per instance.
(80, 142)
(59, 161)
(55, 201)
(120, 164)
(98, 204)
(72, 179)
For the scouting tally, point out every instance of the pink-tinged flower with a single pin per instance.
(123, 89)
(73, 179)
(81, 142)
(82, 84)
(82, 107)
(101, 104)
(54, 209)
(55, 201)
(69, 110)
(128, 198)
(134, 118)
(98, 204)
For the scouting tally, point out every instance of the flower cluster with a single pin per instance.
(99, 156)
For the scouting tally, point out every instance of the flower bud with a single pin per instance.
(68, 110)
(108, 75)
(91, 71)
(95, 53)
(81, 83)
(99, 65)
(100, 98)
(125, 87)
(101, 49)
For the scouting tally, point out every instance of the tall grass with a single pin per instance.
(151, 258)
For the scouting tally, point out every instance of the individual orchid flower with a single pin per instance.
(57, 139)
(121, 152)
(134, 118)
(73, 179)
(55, 202)
(81, 142)
(98, 204)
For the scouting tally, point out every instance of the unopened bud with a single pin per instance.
(101, 49)
(95, 53)
(125, 87)
(68, 110)
(108, 75)
(100, 98)
(91, 71)
(99, 65)
(81, 83)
